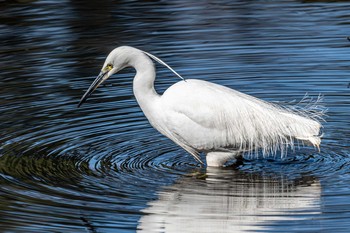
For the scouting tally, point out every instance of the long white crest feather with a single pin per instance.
(163, 63)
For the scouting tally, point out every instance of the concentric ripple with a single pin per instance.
(96, 167)
(103, 168)
(92, 164)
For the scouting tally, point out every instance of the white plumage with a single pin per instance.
(205, 117)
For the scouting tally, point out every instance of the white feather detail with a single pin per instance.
(163, 63)
(217, 118)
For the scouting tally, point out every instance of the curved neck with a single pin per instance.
(143, 84)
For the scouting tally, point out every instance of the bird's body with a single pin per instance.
(201, 116)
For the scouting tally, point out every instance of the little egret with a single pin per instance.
(201, 116)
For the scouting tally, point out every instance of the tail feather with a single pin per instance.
(312, 141)
(309, 114)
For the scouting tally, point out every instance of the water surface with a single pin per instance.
(103, 168)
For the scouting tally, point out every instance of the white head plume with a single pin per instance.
(163, 63)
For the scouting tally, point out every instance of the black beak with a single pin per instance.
(92, 88)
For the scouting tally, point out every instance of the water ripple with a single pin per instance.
(103, 168)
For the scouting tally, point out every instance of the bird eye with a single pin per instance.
(109, 66)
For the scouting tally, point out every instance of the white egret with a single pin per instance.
(201, 116)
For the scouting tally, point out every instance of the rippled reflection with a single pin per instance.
(232, 201)
(102, 168)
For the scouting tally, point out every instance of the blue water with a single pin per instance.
(103, 168)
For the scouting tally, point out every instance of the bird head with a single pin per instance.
(115, 61)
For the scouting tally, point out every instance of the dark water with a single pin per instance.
(102, 168)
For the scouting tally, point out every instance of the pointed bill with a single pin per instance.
(100, 78)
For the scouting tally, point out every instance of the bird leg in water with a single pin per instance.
(218, 159)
